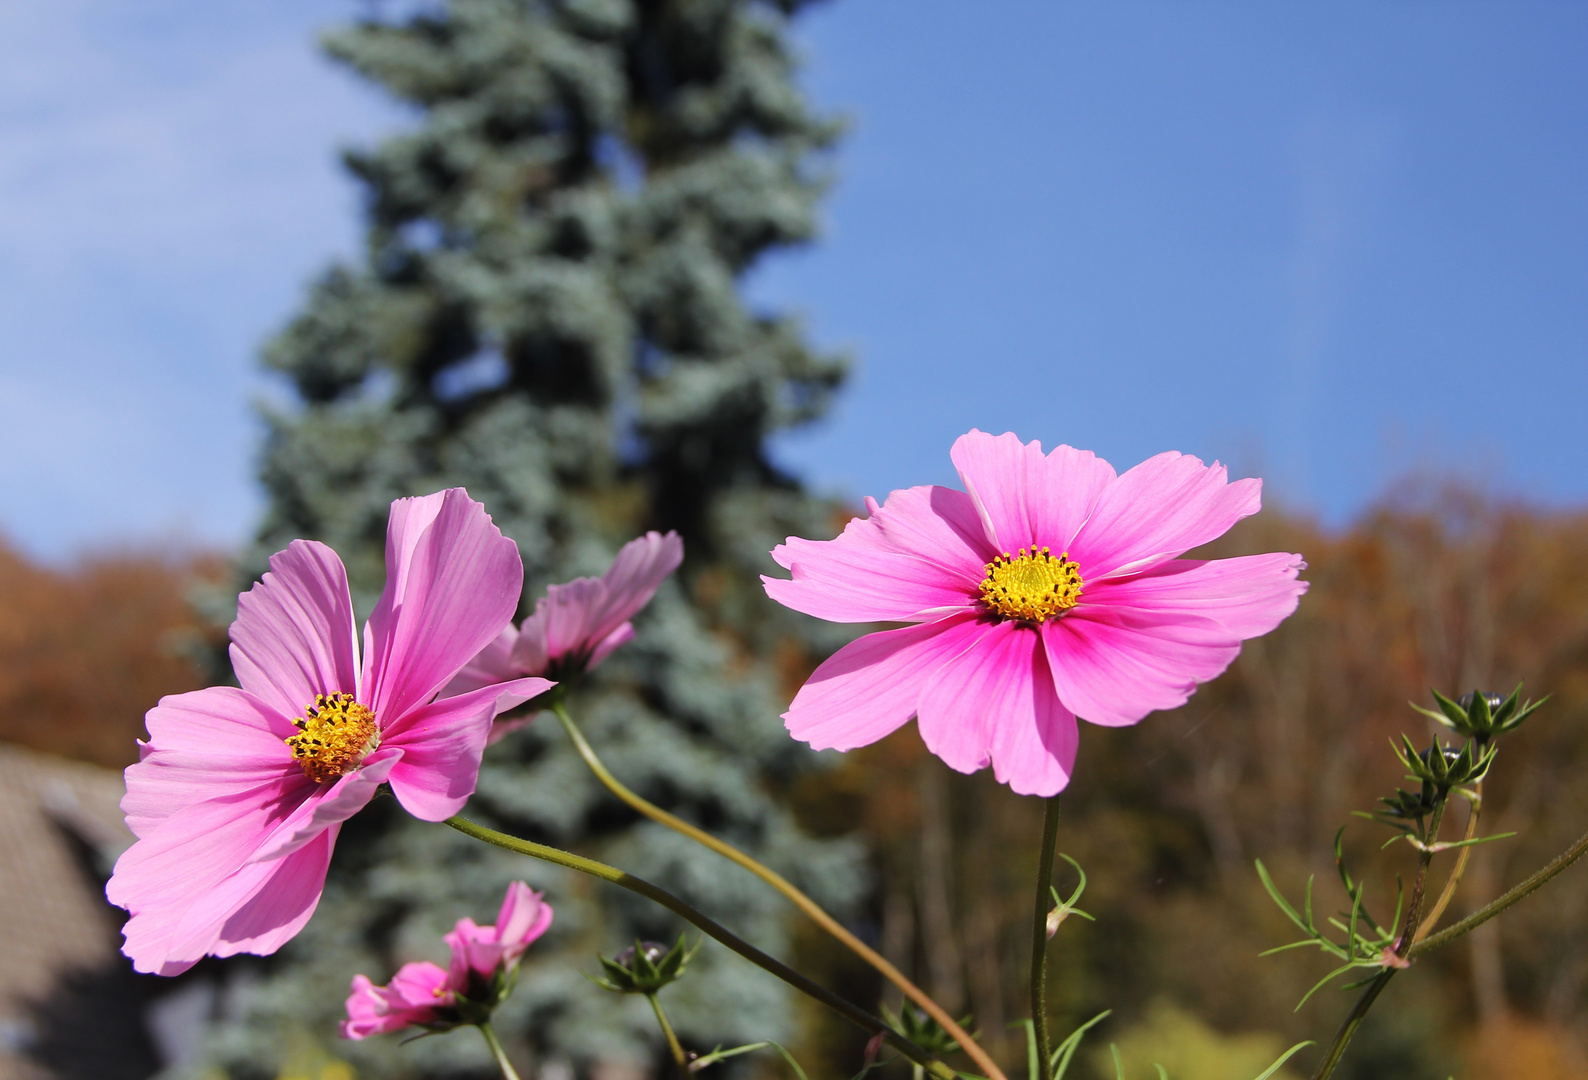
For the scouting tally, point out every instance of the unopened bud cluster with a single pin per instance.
(1481, 715)
(645, 967)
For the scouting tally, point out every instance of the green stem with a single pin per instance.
(496, 1049)
(1353, 1020)
(1425, 858)
(1515, 894)
(1512, 896)
(1403, 945)
(1431, 920)
(1039, 933)
(851, 1012)
(782, 885)
(677, 1048)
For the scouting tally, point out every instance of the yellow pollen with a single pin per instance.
(334, 735)
(1031, 587)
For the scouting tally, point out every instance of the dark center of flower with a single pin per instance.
(1031, 587)
(334, 735)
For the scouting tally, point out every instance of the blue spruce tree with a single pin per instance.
(549, 314)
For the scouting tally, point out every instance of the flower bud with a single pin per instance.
(1442, 767)
(645, 967)
(1481, 715)
(922, 1030)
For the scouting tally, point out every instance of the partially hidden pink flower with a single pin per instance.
(1050, 588)
(240, 791)
(575, 626)
(420, 994)
(481, 974)
(480, 952)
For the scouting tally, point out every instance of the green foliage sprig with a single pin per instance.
(1364, 940)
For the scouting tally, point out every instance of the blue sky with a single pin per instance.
(1328, 243)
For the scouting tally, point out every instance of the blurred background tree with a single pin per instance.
(549, 315)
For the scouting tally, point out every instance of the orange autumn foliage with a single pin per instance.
(86, 650)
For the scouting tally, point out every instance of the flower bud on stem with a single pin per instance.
(848, 1010)
(787, 888)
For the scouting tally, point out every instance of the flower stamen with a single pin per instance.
(1032, 587)
(334, 735)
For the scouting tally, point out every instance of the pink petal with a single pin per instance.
(524, 917)
(475, 954)
(1166, 505)
(416, 995)
(294, 636)
(205, 744)
(1036, 758)
(168, 940)
(442, 744)
(492, 664)
(532, 650)
(870, 687)
(331, 805)
(186, 877)
(1025, 499)
(1249, 595)
(633, 578)
(914, 559)
(611, 643)
(568, 614)
(452, 582)
(1113, 666)
(995, 702)
(520, 691)
(419, 985)
(284, 902)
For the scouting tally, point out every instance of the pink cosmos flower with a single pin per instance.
(1050, 588)
(479, 952)
(239, 793)
(483, 961)
(419, 994)
(575, 626)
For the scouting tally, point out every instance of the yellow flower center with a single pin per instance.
(334, 735)
(1031, 587)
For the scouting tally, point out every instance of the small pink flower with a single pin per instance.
(575, 626)
(239, 793)
(478, 952)
(420, 993)
(1049, 589)
(484, 959)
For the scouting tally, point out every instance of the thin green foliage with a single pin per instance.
(719, 1054)
(1364, 939)
(1064, 1053)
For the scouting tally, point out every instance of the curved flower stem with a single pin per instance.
(1353, 1020)
(1516, 893)
(1039, 931)
(787, 888)
(1431, 920)
(850, 1011)
(679, 1057)
(1414, 908)
(1403, 945)
(496, 1049)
